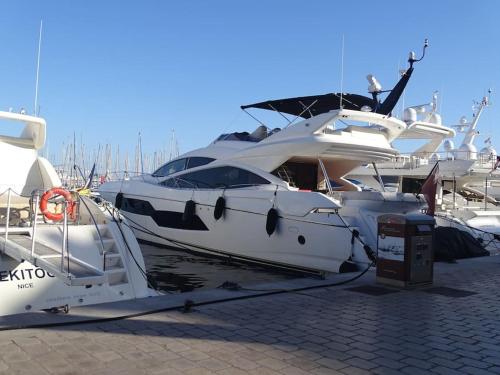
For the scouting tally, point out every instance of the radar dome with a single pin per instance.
(435, 118)
(435, 157)
(374, 85)
(410, 115)
(448, 145)
(467, 152)
(489, 152)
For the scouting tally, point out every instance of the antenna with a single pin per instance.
(342, 72)
(412, 59)
(36, 111)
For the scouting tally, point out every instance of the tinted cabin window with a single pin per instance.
(169, 168)
(412, 185)
(198, 161)
(300, 175)
(178, 183)
(169, 182)
(217, 178)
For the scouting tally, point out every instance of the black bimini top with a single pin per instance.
(303, 106)
(310, 106)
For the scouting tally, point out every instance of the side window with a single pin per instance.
(221, 177)
(198, 161)
(178, 183)
(169, 182)
(203, 179)
(169, 168)
(232, 177)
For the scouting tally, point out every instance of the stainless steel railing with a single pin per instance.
(32, 226)
(417, 159)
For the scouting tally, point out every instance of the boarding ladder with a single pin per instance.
(23, 244)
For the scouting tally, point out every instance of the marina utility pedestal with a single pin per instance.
(405, 255)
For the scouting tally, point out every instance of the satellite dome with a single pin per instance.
(467, 152)
(435, 157)
(435, 118)
(409, 115)
(489, 152)
(448, 145)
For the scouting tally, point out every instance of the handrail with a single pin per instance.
(413, 160)
(64, 248)
(101, 241)
(34, 213)
(7, 218)
(452, 155)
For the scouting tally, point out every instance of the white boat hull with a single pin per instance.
(241, 232)
(30, 288)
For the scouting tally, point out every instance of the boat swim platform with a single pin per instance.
(443, 274)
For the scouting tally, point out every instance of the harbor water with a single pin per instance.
(181, 271)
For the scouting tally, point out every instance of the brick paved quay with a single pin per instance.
(329, 330)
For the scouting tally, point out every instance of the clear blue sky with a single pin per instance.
(110, 69)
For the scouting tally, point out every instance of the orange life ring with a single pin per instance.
(67, 197)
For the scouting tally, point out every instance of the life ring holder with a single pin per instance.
(70, 207)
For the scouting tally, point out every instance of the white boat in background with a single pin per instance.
(470, 183)
(266, 196)
(58, 248)
(464, 165)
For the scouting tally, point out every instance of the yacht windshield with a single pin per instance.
(180, 165)
(262, 132)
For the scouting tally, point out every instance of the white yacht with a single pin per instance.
(57, 248)
(266, 196)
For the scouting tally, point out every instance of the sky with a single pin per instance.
(111, 69)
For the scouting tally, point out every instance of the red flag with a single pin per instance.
(429, 189)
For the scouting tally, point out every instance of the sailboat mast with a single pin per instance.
(140, 153)
(126, 164)
(36, 110)
(117, 162)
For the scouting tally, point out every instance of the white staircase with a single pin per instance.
(70, 269)
(114, 269)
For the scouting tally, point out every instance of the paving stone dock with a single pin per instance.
(357, 328)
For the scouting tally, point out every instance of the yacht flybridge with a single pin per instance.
(57, 248)
(267, 196)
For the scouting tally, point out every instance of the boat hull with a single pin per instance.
(31, 288)
(302, 238)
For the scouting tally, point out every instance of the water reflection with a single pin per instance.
(181, 271)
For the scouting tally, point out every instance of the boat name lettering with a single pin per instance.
(26, 274)
(25, 286)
